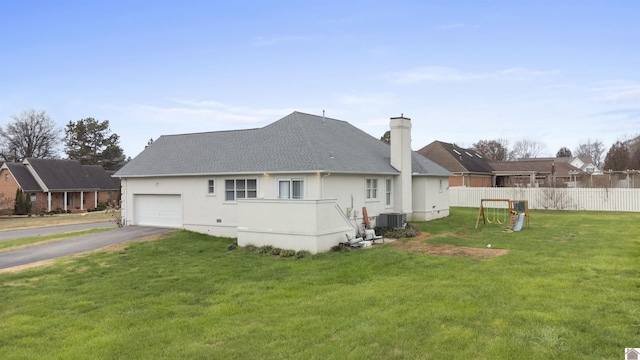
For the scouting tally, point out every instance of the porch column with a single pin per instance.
(65, 201)
(81, 200)
(95, 200)
(49, 201)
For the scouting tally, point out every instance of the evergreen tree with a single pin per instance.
(20, 207)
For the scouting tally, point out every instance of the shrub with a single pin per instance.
(250, 248)
(302, 254)
(287, 253)
(101, 206)
(341, 248)
(265, 249)
(276, 251)
(407, 232)
(232, 246)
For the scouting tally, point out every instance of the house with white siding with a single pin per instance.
(299, 183)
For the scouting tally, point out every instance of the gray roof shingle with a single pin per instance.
(23, 177)
(63, 175)
(296, 143)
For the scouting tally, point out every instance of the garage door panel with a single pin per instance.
(159, 210)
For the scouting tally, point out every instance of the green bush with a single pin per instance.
(276, 251)
(265, 249)
(250, 248)
(408, 232)
(302, 254)
(287, 253)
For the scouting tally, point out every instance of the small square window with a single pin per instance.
(211, 189)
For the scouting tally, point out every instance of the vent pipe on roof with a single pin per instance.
(323, 123)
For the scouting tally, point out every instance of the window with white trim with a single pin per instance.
(387, 193)
(291, 189)
(240, 189)
(371, 189)
(211, 187)
(441, 187)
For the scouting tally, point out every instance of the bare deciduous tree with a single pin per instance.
(592, 149)
(492, 149)
(526, 149)
(30, 134)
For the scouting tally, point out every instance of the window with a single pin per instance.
(441, 186)
(291, 189)
(387, 195)
(6, 177)
(372, 189)
(240, 189)
(211, 189)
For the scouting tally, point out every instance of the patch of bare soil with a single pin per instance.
(418, 245)
(114, 247)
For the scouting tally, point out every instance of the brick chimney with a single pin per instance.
(401, 160)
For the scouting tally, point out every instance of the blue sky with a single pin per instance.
(558, 72)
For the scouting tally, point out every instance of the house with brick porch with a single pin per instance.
(54, 184)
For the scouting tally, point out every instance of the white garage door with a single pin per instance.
(159, 210)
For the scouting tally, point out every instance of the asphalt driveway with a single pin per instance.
(76, 245)
(49, 230)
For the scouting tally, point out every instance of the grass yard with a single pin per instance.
(568, 288)
(23, 222)
(10, 245)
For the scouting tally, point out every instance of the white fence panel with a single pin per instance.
(595, 199)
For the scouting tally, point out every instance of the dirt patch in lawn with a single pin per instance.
(418, 245)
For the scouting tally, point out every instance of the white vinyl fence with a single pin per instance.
(598, 199)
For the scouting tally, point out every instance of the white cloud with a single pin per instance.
(368, 99)
(451, 26)
(625, 96)
(431, 73)
(618, 92)
(269, 41)
(448, 74)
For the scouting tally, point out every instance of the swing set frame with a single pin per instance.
(512, 206)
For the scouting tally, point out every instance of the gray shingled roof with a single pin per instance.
(23, 177)
(296, 143)
(101, 177)
(63, 175)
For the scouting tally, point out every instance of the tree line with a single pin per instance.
(34, 134)
(622, 155)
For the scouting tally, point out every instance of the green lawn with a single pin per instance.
(569, 288)
(9, 245)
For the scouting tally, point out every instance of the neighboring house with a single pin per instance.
(54, 184)
(299, 183)
(585, 164)
(469, 168)
(535, 172)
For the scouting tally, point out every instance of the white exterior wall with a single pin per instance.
(430, 198)
(203, 212)
(332, 206)
(312, 225)
(350, 192)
